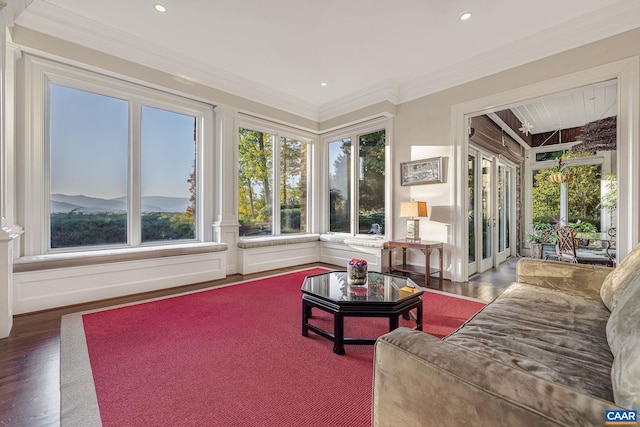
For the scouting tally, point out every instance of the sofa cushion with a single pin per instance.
(555, 335)
(618, 280)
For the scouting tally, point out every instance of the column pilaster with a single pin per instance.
(225, 225)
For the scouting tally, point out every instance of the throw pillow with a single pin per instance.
(624, 321)
(623, 335)
(616, 282)
(625, 375)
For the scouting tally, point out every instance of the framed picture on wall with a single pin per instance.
(426, 171)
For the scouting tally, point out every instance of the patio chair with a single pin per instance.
(567, 248)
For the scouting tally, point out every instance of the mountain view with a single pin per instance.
(62, 203)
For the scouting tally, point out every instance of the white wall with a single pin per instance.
(422, 128)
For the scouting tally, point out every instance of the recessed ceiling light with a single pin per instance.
(465, 16)
(323, 84)
(160, 8)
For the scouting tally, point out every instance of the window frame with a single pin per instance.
(354, 132)
(280, 132)
(39, 73)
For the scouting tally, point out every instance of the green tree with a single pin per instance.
(371, 191)
(191, 209)
(372, 171)
(583, 194)
(255, 160)
(293, 185)
(340, 188)
(291, 152)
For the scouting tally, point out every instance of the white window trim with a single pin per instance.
(602, 158)
(627, 71)
(353, 132)
(38, 73)
(282, 132)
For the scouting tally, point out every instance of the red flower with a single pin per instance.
(357, 263)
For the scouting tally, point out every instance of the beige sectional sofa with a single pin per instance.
(557, 348)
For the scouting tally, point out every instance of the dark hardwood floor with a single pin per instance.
(30, 356)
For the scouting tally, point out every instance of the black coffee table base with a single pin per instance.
(393, 312)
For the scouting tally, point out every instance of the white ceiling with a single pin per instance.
(278, 51)
(570, 109)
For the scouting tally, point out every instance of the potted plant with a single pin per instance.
(560, 172)
(542, 233)
(536, 240)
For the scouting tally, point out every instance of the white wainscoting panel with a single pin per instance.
(45, 289)
(340, 254)
(254, 260)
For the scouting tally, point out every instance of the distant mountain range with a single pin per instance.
(61, 203)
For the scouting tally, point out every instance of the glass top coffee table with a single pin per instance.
(383, 295)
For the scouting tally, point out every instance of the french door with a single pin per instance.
(491, 210)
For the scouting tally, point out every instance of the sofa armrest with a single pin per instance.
(420, 380)
(582, 279)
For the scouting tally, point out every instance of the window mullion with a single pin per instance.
(275, 196)
(135, 161)
(355, 180)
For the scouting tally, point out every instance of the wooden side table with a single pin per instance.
(426, 246)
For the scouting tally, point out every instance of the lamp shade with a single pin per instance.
(413, 209)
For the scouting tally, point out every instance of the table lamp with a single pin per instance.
(413, 210)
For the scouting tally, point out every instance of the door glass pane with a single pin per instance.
(507, 208)
(168, 175)
(340, 186)
(471, 203)
(501, 208)
(255, 181)
(371, 183)
(486, 209)
(88, 154)
(293, 186)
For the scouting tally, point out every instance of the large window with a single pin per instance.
(587, 189)
(88, 162)
(357, 184)
(120, 163)
(268, 205)
(168, 175)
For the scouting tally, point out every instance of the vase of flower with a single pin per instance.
(357, 272)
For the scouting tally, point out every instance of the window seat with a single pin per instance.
(273, 252)
(338, 250)
(262, 242)
(80, 259)
(369, 242)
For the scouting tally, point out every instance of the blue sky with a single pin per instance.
(89, 146)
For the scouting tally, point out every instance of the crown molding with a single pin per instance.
(54, 21)
(618, 18)
(11, 9)
(386, 90)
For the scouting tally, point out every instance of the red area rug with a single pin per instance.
(235, 356)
